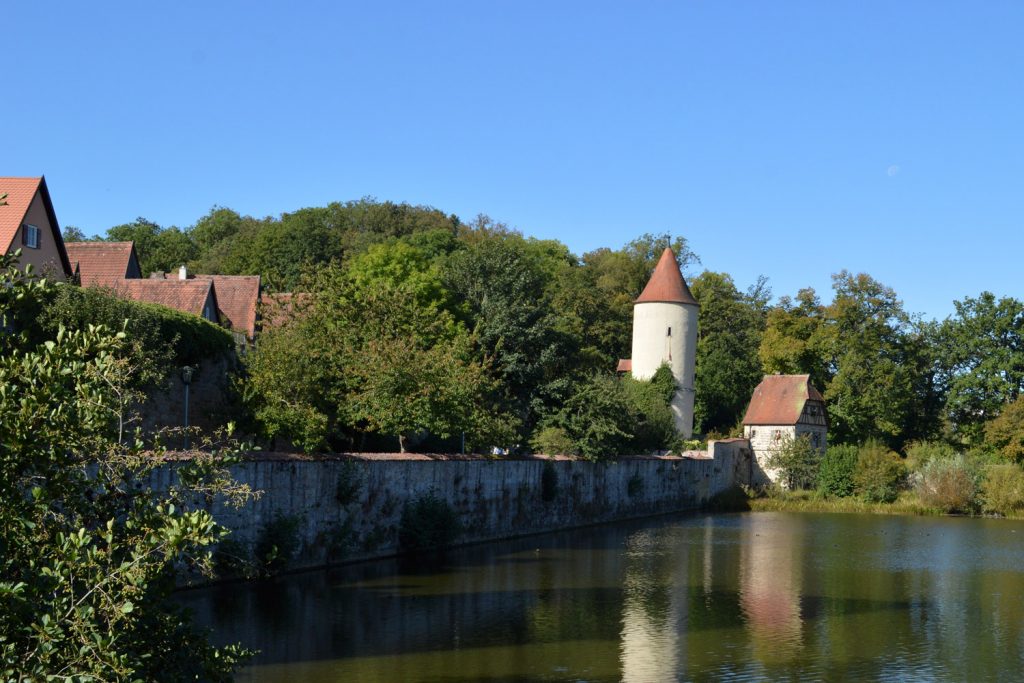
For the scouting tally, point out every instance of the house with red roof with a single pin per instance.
(28, 223)
(103, 264)
(783, 408)
(237, 298)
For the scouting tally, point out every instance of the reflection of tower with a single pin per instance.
(665, 331)
(770, 583)
(653, 612)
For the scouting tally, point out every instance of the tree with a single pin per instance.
(369, 356)
(982, 361)
(598, 419)
(507, 302)
(88, 554)
(1005, 433)
(159, 249)
(798, 461)
(71, 233)
(791, 343)
(728, 336)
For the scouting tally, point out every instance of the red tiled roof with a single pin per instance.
(188, 296)
(100, 263)
(20, 193)
(666, 284)
(237, 299)
(625, 365)
(779, 400)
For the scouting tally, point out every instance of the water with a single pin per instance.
(740, 597)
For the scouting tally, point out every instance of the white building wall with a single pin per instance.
(653, 345)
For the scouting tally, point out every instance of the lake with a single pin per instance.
(741, 597)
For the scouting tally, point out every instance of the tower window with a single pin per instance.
(669, 332)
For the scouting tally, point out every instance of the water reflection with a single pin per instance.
(745, 597)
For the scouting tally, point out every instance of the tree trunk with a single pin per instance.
(401, 443)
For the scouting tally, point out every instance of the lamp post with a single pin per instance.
(186, 379)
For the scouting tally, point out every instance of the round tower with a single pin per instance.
(665, 331)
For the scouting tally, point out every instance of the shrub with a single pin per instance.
(920, 453)
(797, 460)
(947, 483)
(551, 441)
(278, 542)
(879, 475)
(428, 523)
(655, 427)
(548, 482)
(1002, 490)
(835, 475)
(598, 419)
(161, 338)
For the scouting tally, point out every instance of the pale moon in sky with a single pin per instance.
(892, 170)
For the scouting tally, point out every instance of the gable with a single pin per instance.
(103, 263)
(28, 204)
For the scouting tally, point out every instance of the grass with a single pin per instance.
(811, 501)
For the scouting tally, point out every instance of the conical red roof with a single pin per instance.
(667, 284)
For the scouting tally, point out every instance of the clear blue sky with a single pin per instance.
(792, 139)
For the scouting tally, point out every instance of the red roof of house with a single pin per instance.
(188, 296)
(625, 365)
(667, 284)
(238, 297)
(100, 263)
(780, 399)
(237, 300)
(20, 193)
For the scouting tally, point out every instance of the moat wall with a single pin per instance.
(344, 508)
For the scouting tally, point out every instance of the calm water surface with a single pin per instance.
(753, 596)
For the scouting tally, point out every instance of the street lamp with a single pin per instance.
(186, 379)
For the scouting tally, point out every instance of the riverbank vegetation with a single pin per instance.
(932, 478)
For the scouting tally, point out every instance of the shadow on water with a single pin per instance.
(753, 596)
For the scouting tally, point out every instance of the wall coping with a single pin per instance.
(281, 456)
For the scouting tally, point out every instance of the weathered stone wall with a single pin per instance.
(349, 507)
(209, 392)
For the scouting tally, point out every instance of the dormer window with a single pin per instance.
(31, 236)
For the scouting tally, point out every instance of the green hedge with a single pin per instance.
(161, 338)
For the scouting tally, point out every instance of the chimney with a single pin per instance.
(182, 273)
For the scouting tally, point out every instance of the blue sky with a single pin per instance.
(790, 139)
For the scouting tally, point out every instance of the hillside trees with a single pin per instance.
(375, 352)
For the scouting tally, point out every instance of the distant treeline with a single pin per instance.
(419, 323)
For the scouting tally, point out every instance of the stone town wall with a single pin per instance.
(349, 507)
(209, 392)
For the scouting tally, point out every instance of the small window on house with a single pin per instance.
(816, 439)
(812, 409)
(31, 236)
(669, 332)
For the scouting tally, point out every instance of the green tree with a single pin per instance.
(981, 355)
(1005, 433)
(159, 249)
(792, 339)
(598, 419)
(71, 233)
(880, 473)
(88, 553)
(728, 336)
(798, 462)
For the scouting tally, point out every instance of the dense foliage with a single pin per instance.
(88, 553)
(537, 322)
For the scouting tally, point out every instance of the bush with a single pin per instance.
(947, 483)
(598, 419)
(835, 475)
(920, 453)
(551, 441)
(1002, 490)
(655, 426)
(161, 338)
(879, 475)
(428, 523)
(797, 460)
